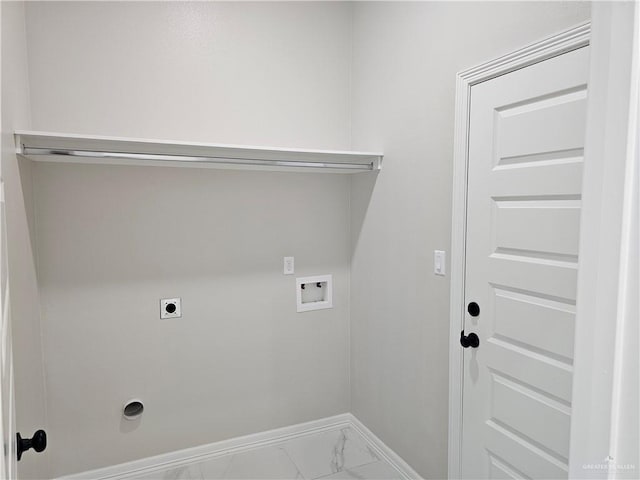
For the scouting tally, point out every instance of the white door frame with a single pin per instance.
(604, 426)
(555, 45)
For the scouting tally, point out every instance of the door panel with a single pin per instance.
(557, 176)
(523, 218)
(538, 226)
(539, 127)
(535, 416)
(535, 463)
(500, 470)
(536, 369)
(539, 276)
(512, 310)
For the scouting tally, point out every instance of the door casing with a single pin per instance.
(549, 47)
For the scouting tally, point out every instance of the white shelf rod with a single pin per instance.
(194, 159)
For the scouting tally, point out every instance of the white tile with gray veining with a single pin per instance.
(371, 471)
(265, 463)
(329, 452)
(332, 454)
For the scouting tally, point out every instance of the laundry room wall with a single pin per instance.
(405, 58)
(112, 241)
(23, 287)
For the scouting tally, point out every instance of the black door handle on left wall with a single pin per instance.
(38, 442)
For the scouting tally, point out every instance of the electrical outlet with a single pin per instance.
(170, 308)
(289, 266)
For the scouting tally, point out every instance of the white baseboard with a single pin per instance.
(202, 453)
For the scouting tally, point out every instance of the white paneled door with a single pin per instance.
(526, 139)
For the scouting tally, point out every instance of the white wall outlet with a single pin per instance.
(314, 293)
(439, 262)
(170, 308)
(289, 266)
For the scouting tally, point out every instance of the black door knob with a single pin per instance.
(470, 340)
(38, 442)
(474, 309)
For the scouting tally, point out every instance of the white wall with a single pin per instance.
(112, 241)
(405, 57)
(249, 73)
(27, 350)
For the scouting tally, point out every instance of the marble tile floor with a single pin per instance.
(332, 454)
